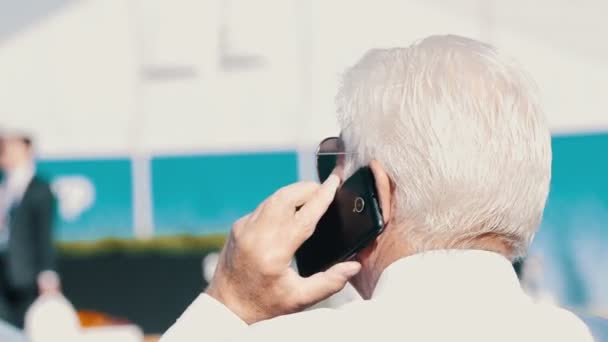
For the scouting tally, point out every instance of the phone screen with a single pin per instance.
(350, 223)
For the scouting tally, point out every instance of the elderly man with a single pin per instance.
(455, 137)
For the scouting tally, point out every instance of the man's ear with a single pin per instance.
(384, 188)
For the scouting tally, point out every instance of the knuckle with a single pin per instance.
(310, 184)
(267, 270)
(269, 264)
(305, 221)
(277, 199)
(309, 229)
(236, 232)
(237, 228)
(281, 194)
(240, 223)
(260, 208)
(246, 242)
(268, 259)
(271, 204)
(337, 281)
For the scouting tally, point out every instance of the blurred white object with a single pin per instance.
(51, 317)
(124, 333)
(209, 265)
(75, 194)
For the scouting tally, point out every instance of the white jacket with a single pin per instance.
(434, 296)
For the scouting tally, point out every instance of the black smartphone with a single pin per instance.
(352, 221)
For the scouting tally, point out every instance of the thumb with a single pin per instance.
(324, 284)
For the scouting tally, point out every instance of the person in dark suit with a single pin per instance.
(26, 220)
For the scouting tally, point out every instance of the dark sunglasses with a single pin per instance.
(330, 156)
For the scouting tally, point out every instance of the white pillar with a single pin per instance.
(303, 20)
(143, 222)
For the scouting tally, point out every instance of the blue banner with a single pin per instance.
(206, 194)
(94, 197)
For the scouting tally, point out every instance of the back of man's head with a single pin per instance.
(459, 130)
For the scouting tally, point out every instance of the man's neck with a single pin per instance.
(392, 249)
(444, 274)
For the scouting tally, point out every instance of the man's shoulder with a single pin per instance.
(561, 323)
(223, 325)
(338, 324)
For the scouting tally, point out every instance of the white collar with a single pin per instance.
(17, 181)
(449, 274)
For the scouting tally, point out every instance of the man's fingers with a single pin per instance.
(287, 198)
(311, 212)
(296, 193)
(324, 284)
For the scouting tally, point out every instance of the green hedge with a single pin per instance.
(166, 244)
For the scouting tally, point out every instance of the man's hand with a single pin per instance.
(253, 277)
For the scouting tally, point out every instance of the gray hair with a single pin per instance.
(458, 127)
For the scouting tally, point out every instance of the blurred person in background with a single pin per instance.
(461, 154)
(53, 318)
(26, 222)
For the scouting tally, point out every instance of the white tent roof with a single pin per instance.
(107, 77)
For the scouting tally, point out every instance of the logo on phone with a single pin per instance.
(359, 205)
